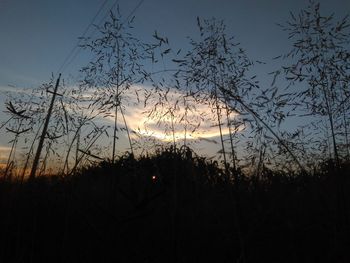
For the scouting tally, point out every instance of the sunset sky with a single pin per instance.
(37, 35)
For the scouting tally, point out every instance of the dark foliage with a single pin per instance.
(176, 207)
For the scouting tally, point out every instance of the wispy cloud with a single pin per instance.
(14, 89)
(160, 126)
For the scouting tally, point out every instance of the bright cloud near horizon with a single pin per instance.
(159, 127)
(141, 125)
(138, 121)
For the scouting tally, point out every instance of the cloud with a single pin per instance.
(202, 120)
(201, 125)
(162, 125)
(14, 89)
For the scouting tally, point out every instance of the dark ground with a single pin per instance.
(175, 207)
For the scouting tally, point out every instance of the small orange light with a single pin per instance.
(154, 177)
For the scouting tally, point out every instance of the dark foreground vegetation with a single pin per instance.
(176, 207)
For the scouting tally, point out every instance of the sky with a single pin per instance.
(37, 35)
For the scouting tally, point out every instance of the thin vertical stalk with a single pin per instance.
(117, 102)
(29, 153)
(185, 136)
(218, 113)
(46, 124)
(175, 208)
(75, 137)
(331, 122)
(173, 128)
(261, 160)
(127, 130)
(77, 148)
(44, 162)
(9, 163)
(231, 137)
(4, 124)
(13, 147)
(345, 130)
(328, 142)
(185, 127)
(115, 132)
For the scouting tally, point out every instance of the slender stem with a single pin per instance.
(116, 105)
(76, 135)
(185, 136)
(46, 124)
(127, 130)
(115, 132)
(173, 128)
(331, 122)
(261, 159)
(30, 152)
(218, 113)
(3, 125)
(346, 131)
(329, 144)
(44, 162)
(231, 137)
(77, 146)
(9, 162)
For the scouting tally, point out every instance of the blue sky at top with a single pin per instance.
(37, 35)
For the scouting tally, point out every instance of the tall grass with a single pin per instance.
(137, 209)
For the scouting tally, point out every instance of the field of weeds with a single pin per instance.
(176, 207)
